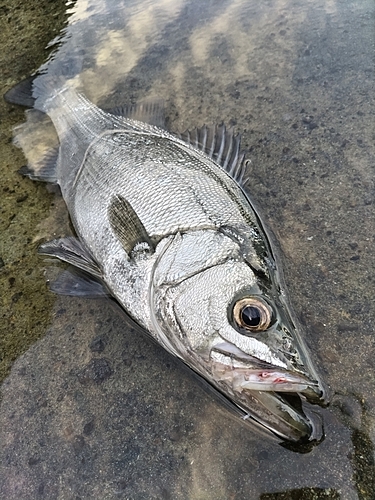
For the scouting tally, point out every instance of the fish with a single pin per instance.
(164, 225)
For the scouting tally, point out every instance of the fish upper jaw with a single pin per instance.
(244, 372)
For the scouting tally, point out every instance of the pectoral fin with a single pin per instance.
(126, 225)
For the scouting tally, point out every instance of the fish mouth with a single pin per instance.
(277, 398)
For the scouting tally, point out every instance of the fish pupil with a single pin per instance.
(251, 316)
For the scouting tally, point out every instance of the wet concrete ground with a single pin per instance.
(93, 410)
(26, 305)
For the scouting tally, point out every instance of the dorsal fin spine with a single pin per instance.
(234, 162)
(222, 145)
(229, 152)
(204, 141)
(213, 141)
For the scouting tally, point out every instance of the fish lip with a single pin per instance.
(282, 397)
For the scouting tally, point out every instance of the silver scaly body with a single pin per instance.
(164, 223)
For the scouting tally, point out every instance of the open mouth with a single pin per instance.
(273, 396)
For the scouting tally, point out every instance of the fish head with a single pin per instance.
(227, 318)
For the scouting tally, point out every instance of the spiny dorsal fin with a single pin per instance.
(222, 145)
(71, 250)
(148, 111)
(126, 225)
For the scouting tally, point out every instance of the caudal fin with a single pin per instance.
(22, 93)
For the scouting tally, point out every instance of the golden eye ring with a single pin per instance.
(252, 313)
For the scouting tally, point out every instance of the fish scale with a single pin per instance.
(158, 204)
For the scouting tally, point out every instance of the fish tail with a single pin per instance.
(47, 95)
(39, 90)
(48, 84)
(46, 92)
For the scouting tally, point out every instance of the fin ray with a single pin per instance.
(71, 250)
(44, 169)
(222, 145)
(22, 93)
(126, 224)
(76, 283)
(150, 111)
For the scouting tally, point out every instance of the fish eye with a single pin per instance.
(253, 314)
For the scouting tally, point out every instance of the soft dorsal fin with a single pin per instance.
(148, 111)
(222, 145)
(126, 225)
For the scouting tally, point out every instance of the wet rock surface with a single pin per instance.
(85, 420)
(78, 423)
(94, 409)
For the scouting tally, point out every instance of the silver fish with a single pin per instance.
(164, 225)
